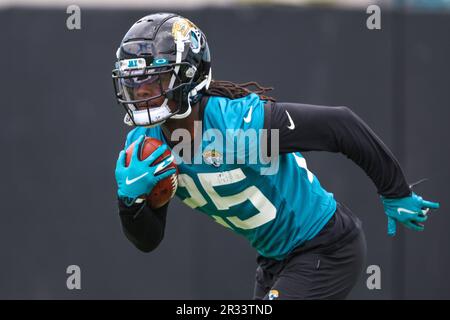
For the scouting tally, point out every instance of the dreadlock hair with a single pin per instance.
(233, 90)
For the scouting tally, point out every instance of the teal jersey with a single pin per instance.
(276, 212)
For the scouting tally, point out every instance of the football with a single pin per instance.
(166, 188)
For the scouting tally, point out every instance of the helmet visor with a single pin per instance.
(144, 89)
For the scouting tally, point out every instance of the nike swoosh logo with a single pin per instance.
(400, 210)
(164, 164)
(248, 118)
(128, 182)
(291, 125)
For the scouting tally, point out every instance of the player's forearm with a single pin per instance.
(359, 143)
(143, 226)
(338, 129)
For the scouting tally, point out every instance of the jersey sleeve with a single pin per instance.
(233, 114)
(238, 124)
(337, 129)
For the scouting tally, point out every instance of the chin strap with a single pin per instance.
(149, 118)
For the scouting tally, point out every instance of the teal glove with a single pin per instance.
(410, 211)
(139, 178)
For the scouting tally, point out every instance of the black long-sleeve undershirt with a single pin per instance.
(337, 129)
(143, 226)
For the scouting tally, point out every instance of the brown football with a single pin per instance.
(166, 188)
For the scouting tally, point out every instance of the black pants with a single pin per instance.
(326, 267)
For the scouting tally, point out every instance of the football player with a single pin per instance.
(309, 245)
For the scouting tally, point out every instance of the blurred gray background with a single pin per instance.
(62, 130)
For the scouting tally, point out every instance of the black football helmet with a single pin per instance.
(162, 48)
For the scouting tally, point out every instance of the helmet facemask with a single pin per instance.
(140, 89)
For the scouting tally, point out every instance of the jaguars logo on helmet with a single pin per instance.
(156, 46)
